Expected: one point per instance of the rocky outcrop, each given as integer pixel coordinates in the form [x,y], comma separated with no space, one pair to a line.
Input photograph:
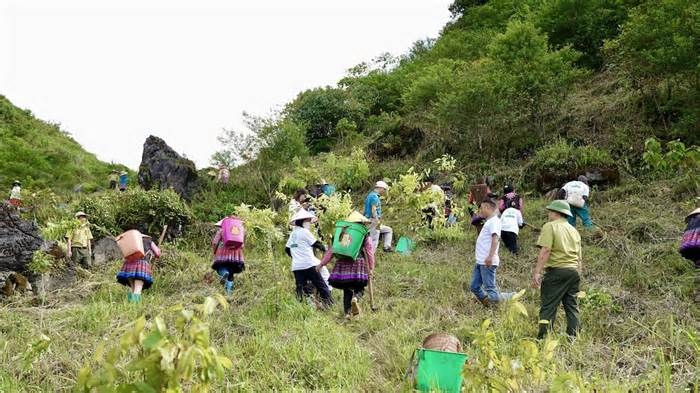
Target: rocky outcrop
[18,240]
[106,250]
[602,177]
[162,168]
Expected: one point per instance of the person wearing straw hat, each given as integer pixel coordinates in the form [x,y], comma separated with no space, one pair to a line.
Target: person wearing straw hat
[228,261]
[352,276]
[300,247]
[16,194]
[561,259]
[137,274]
[79,242]
[113,179]
[373,211]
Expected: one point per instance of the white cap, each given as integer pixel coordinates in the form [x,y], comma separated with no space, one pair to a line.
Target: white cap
[303,214]
[381,184]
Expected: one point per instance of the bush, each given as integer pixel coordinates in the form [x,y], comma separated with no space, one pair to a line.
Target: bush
[345,172]
[556,163]
[153,357]
[149,211]
[261,227]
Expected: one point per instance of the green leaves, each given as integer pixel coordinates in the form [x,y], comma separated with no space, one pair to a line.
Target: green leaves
[112,212]
[154,358]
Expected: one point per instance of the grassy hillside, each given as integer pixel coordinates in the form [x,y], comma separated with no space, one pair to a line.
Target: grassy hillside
[42,156]
[640,318]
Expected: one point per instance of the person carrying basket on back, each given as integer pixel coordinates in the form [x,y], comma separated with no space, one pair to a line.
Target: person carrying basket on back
[354,261]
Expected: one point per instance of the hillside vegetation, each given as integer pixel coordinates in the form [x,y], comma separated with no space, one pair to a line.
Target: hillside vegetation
[531,92]
[43,156]
[640,316]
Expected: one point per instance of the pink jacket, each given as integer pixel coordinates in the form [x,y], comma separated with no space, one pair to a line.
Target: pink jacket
[367,248]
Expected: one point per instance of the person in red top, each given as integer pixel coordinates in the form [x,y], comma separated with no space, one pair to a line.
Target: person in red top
[352,276]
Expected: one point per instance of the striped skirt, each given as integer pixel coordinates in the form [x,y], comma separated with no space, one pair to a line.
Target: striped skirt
[136,270]
[349,274]
[230,259]
[690,245]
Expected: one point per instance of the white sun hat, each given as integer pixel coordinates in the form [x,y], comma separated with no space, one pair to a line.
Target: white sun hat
[303,214]
[381,184]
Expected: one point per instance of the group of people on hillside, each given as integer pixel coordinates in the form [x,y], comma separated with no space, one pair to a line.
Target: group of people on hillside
[118,180]
[558,267]
[556,273]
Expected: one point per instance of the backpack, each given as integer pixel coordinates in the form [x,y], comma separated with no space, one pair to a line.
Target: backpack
[512,198]
[575,199]
[232,232]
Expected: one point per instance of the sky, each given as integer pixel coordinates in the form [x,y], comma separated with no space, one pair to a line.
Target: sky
[112,72]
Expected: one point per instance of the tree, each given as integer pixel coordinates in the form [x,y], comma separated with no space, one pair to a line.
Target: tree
[318,111]
[583,24]
[267,147]
[529,72]
[659,49]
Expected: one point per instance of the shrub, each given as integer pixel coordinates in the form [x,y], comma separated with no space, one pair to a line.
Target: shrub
[112,212]
[332,209]
[41,262]
[561,161]
[155,357]
[261,229]
[346,172]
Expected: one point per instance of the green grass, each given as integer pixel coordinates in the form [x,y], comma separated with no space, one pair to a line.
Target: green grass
[642,302]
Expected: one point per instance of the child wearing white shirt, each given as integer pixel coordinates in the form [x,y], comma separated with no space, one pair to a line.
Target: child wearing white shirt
[511,222]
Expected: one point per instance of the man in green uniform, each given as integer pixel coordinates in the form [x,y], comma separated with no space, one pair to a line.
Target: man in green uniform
[79,242]
[560,258]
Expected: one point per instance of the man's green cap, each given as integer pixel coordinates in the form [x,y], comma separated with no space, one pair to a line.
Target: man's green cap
[560,206]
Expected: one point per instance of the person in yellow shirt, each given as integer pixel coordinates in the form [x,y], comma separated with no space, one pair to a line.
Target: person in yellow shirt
[79,242]
[561,259]
[113,179]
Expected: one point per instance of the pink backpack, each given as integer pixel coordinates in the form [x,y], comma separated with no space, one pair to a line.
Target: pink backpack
[232,232]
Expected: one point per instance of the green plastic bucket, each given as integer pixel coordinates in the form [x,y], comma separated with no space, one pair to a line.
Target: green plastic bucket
[348,239]
[405,245]
[439,371]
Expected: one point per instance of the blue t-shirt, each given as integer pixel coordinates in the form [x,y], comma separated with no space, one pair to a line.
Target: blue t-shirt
[373,200]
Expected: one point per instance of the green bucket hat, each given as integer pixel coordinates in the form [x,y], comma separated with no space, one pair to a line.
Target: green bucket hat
[560,206]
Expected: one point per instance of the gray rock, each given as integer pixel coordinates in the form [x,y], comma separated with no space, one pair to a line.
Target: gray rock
[162,168]
[106,250]
[18,240]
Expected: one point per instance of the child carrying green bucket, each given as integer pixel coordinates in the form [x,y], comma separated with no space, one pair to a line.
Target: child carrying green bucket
[353,251]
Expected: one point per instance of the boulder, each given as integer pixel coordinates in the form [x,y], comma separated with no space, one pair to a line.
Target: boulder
[601,177]
[52,248]
[162,168]
[18,240]
[106,250]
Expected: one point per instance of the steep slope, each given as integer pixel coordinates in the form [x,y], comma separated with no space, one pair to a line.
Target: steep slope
[41,155]
[640,320]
